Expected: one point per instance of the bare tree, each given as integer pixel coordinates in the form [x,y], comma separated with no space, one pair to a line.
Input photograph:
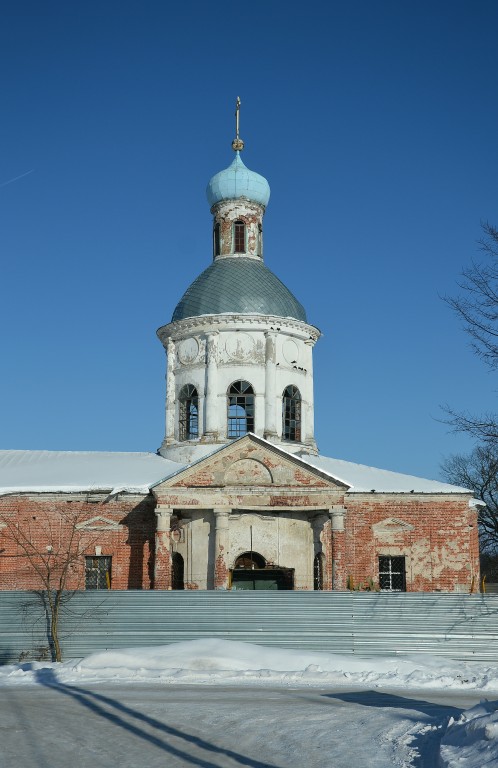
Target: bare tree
[478,471]
[49,553]
[477,308]
[483,427]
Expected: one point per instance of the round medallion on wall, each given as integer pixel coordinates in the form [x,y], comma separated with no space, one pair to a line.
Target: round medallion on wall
[248,472]
[290,351]
[239,346]
[187,350]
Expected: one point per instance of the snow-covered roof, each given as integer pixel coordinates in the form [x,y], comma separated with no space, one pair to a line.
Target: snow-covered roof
[76,471]
[364,479]
[80,471]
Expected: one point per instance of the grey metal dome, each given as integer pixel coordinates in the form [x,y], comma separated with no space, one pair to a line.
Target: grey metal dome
[240,286]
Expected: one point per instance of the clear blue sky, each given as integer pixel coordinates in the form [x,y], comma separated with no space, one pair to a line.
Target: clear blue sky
[376,124]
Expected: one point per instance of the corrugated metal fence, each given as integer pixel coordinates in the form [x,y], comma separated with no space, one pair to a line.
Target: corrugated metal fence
[453,625]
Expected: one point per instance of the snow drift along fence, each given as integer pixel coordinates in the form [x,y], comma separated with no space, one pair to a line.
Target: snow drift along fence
[452,625]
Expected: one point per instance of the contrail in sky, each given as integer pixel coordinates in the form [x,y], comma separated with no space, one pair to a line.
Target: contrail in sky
[4,183]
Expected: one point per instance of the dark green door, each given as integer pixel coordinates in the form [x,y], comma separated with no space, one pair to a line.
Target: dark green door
[262,579]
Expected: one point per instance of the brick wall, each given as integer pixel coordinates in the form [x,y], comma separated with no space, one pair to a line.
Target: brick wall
[73,526]
[436,534]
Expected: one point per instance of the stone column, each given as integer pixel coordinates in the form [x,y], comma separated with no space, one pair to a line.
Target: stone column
[270,385]
[162,562]
[337,514]
[221,567]
[212,426]
[170,394]
[320,548]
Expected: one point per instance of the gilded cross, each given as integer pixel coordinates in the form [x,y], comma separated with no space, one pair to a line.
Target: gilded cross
[237,143]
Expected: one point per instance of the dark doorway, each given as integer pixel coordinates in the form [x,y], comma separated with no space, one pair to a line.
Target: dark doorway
[177,571]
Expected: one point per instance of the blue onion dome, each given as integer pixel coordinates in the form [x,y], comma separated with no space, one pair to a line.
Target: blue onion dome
[241,286]
[238,181]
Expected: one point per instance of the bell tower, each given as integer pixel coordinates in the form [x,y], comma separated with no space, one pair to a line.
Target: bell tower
[239,346]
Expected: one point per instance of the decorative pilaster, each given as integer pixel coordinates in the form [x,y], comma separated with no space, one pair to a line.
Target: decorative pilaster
[162,562]
[211,399]
[270,385]
[337,514]
[221,568]
[309,417]
[170,394]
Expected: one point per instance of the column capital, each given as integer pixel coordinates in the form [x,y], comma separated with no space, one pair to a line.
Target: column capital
[221,516]
[337,514]
[163,515]
[222,510]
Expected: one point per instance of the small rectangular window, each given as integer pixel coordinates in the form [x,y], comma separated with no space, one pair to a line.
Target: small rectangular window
[239,237]
[217,242]
[392,574]
[98,572]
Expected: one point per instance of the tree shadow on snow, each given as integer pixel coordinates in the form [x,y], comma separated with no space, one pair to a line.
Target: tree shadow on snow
[424,741]
[392,701]
[111,710]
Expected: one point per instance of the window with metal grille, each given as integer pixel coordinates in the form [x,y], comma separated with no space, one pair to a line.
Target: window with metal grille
[392,573]
[239,237]
[98,572]
[240,407]
[318,572]
[216,240]
[291,414]
[189,413]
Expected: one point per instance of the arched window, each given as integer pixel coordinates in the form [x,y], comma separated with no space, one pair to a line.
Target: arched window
[239,237]
[240,409]
[216,239]
[250,560]
[291,414]
[189,413]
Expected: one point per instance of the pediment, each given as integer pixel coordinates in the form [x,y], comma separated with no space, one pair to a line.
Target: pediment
[98,523]
[251,462]
[391,525]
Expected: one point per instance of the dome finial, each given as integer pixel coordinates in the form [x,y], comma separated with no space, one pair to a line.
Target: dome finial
[237,143]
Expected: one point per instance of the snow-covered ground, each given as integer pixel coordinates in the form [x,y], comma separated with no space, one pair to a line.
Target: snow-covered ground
[221,703]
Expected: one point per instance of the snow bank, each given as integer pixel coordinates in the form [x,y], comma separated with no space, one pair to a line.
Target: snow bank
[211,661]
[472,740]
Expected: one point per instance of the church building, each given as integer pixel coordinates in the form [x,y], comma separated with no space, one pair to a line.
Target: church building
[238,495]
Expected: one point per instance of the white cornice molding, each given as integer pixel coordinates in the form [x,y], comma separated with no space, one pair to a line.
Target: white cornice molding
[215,323]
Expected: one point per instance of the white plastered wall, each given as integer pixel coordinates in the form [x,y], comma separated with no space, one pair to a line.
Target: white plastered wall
[212,352]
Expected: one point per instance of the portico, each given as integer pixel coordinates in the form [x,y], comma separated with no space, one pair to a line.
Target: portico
[251,497]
